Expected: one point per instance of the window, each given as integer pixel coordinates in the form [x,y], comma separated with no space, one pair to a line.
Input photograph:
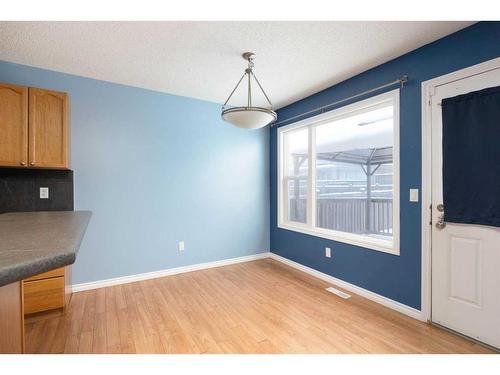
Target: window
[339,174]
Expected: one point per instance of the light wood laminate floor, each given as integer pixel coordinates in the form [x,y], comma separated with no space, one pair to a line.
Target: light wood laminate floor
[256,307]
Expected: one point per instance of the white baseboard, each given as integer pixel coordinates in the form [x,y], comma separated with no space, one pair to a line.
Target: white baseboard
[171,271]
[407,310]
[387,302]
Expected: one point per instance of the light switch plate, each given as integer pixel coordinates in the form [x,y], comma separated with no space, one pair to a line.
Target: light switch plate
[44,193]
[413,195]
[328,252]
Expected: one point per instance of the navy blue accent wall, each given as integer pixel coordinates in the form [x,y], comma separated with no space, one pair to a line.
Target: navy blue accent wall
[395,277]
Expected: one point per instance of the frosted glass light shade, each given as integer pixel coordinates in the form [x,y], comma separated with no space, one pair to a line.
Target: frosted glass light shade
[249,117]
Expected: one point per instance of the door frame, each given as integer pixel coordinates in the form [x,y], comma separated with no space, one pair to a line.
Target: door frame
[428,89]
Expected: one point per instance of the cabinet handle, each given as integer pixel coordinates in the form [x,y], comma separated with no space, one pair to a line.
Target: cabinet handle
[22,163]
[32,163]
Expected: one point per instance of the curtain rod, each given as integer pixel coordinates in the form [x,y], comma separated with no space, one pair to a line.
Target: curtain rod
[401,81]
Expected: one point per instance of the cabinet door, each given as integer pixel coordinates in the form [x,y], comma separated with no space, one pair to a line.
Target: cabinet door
[48,129]
[13,125]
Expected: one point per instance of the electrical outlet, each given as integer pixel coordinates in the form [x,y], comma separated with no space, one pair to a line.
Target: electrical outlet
[44,193]
[180,246]
[328,252]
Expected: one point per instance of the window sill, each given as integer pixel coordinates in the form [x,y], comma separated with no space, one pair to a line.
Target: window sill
[376,244]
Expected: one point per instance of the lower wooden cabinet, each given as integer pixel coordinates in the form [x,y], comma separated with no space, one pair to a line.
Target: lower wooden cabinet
[11,319]
[58,272]
[47,291]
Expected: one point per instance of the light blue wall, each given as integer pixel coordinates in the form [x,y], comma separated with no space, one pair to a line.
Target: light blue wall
[155,169]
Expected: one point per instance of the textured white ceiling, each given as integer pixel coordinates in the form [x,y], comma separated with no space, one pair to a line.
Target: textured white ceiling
[202,59]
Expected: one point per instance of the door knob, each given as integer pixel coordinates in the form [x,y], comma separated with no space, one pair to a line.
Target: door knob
[440,224]
[440,207]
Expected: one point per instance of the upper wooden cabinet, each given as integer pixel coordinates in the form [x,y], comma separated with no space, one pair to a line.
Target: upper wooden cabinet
[48,128]
[13,125]
[34,129]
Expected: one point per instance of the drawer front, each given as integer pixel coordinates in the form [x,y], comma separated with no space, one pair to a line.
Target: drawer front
[42,295]
[53,273]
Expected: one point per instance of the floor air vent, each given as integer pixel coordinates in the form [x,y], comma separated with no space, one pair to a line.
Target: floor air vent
[338,293]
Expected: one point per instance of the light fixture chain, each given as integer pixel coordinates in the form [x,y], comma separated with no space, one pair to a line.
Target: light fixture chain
[232,92]
[249,90]
[267,98]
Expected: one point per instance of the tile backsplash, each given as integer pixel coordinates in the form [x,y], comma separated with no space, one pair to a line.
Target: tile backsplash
[20,190]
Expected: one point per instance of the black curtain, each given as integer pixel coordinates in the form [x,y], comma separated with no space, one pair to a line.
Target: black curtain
[471,157]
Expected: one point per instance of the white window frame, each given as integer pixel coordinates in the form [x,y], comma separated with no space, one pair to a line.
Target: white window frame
[387,246]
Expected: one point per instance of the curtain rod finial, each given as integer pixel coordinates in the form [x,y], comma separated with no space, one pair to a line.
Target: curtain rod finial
[403,80]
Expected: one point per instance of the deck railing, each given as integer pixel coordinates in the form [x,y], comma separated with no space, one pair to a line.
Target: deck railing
[348,215]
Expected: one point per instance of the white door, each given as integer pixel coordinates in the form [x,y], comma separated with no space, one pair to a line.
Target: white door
[465,257]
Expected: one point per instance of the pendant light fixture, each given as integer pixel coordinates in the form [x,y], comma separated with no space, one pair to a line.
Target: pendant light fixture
[249,117]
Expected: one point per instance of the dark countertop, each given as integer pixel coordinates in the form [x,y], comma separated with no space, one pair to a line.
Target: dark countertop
[37,242]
